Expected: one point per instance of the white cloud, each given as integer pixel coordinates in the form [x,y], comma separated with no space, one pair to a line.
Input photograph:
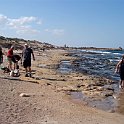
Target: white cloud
[21,25]
[57,32]
[3,20]
[25,26]
[27,30]
[20,21]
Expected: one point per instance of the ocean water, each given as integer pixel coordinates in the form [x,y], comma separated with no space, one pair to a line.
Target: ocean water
[97,63]
[100,63]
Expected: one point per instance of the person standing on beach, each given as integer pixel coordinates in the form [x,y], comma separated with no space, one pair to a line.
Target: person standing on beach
[120,69]
[26,57]
[1,55]
[9,57]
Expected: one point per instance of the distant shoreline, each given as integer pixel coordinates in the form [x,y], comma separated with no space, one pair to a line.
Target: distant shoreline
[94,48]
[18,43]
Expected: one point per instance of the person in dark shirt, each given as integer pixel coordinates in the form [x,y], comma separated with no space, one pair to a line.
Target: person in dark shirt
[26,57]
[1,55]
[120,69]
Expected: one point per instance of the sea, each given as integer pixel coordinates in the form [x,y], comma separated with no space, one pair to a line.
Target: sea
[98,63]
[94,62]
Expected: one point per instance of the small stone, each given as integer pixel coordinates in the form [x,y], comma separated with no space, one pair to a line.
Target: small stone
[24,95]
[48,84]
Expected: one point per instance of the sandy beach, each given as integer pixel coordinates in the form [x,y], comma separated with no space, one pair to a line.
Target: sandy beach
[45,98]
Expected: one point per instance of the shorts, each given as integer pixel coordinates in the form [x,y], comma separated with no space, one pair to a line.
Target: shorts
[27,63]
[122,76]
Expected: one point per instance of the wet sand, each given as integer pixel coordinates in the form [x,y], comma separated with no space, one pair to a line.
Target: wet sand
[49,100]
[120,107]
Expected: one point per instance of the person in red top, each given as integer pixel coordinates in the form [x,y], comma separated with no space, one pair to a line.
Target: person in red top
[9,57]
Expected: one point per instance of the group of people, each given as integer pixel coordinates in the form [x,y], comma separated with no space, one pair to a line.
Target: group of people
[26,57]
[15,58]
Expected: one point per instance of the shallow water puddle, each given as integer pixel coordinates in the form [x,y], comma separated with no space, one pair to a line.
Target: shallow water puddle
[65,67]
[106,104]
[114,103]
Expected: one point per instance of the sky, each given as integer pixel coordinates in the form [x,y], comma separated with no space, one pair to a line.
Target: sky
[76,23]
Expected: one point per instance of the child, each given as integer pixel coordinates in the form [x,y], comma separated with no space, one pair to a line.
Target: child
[15,59]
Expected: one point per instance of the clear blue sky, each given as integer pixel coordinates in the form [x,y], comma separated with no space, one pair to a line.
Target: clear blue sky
[96,23]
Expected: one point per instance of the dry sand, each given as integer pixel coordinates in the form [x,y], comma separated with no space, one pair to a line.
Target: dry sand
[43,100]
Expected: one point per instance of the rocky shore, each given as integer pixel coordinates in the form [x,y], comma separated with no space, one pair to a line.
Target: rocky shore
[49,96]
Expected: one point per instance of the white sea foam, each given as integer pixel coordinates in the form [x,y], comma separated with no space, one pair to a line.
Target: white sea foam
[97,51]
[117,53]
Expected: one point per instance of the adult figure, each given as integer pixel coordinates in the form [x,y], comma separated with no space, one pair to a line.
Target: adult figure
[9,57]
[1,55]
[26,57]
[120,70]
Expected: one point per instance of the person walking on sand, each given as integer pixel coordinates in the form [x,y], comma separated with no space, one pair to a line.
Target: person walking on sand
[120,69]
[26,57]
[9,57]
